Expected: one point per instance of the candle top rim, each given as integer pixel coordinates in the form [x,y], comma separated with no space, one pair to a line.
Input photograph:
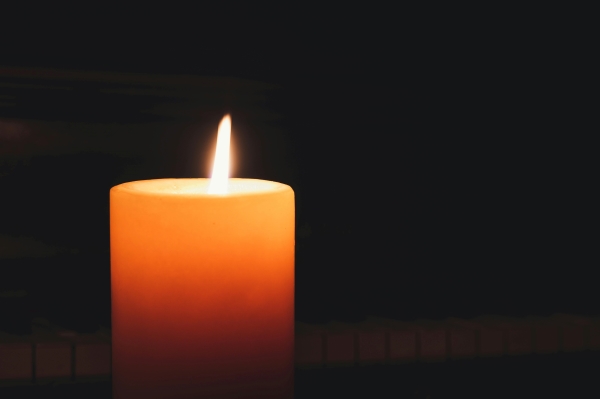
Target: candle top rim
[198,187]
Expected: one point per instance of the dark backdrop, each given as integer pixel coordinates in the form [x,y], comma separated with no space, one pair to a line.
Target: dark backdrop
[435,167]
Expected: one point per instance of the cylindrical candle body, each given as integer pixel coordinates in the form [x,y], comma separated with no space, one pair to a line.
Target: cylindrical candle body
[202,289]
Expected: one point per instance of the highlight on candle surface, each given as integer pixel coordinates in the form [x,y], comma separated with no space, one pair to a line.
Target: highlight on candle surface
[220,173]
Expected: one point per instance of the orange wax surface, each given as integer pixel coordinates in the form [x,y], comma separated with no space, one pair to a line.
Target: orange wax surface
[202,289]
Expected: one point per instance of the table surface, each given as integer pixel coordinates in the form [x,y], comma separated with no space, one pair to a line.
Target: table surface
[558,375]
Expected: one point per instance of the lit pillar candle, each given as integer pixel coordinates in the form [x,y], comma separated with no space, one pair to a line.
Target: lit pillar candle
[202,288]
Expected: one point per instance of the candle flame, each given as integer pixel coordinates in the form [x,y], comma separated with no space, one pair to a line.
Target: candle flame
[220,174]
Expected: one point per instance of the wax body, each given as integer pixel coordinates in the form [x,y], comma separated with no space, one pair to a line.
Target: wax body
[202,290]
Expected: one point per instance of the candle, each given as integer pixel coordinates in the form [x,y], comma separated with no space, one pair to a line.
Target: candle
[202,278]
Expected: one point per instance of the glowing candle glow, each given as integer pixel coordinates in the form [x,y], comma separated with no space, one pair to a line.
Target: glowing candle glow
[202,278]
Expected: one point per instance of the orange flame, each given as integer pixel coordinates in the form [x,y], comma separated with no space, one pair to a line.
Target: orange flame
[220,174]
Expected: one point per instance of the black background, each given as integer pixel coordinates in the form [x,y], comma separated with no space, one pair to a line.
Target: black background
[435,157]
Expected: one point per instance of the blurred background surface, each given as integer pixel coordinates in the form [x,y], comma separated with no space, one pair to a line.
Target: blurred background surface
[435,167]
